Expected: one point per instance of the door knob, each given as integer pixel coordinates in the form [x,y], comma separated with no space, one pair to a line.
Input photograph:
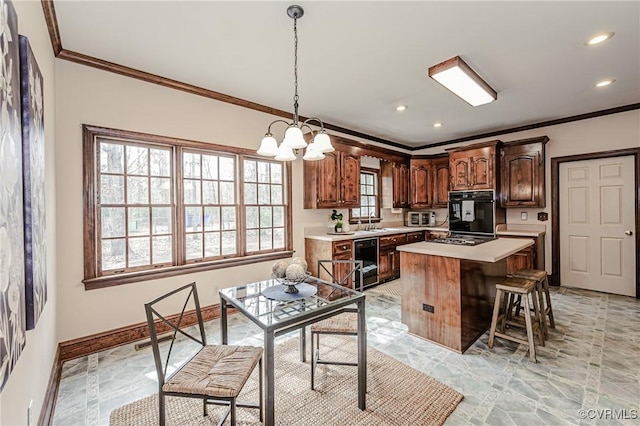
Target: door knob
[628,232]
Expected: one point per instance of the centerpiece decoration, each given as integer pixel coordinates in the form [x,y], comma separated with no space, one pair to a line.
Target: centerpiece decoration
[291,274]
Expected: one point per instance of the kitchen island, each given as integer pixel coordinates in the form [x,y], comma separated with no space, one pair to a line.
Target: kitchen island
[448,290]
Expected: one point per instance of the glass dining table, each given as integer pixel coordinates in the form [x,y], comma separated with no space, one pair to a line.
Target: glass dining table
[276,317]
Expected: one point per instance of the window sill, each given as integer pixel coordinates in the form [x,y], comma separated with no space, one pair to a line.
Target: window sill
[133,277]
[365,221]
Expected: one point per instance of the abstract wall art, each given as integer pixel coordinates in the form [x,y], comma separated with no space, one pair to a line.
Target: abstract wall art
[35,250]
[12,284]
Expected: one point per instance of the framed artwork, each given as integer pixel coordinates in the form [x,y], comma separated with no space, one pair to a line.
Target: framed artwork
[35,250]
[12,307]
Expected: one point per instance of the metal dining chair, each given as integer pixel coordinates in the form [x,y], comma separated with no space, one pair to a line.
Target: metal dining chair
[215,373]
[347,273]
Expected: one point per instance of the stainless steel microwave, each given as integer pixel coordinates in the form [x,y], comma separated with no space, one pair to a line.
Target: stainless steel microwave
[421,218]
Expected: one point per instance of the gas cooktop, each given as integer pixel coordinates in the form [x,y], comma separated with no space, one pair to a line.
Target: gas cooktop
[463,240]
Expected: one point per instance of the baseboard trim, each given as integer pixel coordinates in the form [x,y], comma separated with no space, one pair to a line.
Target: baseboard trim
[88,345]
[51,395]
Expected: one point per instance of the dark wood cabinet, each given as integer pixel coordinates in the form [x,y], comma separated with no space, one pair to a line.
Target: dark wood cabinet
[524,259]
[343,250]
[440,182]
[333,182]
[415,237]
[400,185]
[316,250]
[522,165]
[389,257]
[474,167]
[421,183]
[536,254]
[429,182]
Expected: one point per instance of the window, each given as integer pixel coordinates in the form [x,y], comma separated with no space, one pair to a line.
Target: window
[157,206]
[369,197]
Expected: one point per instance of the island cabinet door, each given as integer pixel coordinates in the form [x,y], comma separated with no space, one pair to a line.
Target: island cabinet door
[524,259]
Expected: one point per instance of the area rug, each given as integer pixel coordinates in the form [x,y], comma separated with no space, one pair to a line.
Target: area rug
[392,288]
[396,394]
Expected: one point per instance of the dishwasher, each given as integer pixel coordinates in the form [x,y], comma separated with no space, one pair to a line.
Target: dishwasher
[366,250]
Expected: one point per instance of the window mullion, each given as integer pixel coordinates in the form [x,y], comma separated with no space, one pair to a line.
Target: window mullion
[180,225]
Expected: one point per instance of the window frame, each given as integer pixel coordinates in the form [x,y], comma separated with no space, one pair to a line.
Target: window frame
[378,179]
[91,222]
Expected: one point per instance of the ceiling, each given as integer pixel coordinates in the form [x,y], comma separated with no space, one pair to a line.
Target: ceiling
[359,60]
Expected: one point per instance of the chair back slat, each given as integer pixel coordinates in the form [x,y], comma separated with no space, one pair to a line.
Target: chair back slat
[160,323]
[343,272]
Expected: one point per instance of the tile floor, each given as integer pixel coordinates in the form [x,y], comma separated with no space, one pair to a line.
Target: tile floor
[591,362]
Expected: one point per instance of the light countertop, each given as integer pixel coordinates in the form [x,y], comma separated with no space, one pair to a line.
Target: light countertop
[518,230]
[491,251]
[321,234]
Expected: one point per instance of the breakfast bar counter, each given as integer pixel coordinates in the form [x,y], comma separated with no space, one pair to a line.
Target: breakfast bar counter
[448,290]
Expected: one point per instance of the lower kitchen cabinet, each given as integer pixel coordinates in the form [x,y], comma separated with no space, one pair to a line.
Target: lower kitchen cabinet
[316,250]
[389,259]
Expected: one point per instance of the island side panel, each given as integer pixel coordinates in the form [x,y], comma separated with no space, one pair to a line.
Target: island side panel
[478,292]
[434,281]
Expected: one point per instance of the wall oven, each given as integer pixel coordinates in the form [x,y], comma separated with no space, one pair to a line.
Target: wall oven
[474,213]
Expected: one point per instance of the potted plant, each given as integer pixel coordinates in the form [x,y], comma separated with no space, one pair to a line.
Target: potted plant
[337,218]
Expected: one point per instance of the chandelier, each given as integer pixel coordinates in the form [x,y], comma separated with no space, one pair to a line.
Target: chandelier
[293,136]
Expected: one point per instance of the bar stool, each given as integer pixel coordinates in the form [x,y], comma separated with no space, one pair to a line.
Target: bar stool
[523,288]
[542,283]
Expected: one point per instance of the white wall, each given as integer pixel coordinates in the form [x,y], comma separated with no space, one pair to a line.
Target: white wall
[29,379]
[606,133]
[90,96]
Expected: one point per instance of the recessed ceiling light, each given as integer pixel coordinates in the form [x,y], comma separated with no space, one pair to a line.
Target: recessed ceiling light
[599,38]
[437,124]
[605,83]
[401,107]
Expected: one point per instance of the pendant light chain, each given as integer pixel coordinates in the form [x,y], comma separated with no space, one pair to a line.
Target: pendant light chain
[295,69]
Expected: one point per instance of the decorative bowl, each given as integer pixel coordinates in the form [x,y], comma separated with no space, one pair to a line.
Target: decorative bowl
[291,284]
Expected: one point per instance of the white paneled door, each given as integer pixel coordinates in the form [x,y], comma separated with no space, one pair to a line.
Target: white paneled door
[597,217]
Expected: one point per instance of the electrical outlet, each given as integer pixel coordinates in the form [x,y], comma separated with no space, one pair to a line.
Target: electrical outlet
[427,308]
[524,215]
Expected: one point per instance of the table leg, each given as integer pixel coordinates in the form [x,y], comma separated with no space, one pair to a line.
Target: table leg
[269,382]
[224,338]
[362,356]
[303,344]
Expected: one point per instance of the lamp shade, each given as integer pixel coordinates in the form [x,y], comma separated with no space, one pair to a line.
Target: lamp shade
[293,138]
[323,142]
[268,146]
[312,153]
[285,153]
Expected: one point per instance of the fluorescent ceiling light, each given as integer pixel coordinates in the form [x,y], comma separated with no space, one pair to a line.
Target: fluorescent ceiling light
[401,107]
[437,125]
[457,76]
[599,38]
[605,83]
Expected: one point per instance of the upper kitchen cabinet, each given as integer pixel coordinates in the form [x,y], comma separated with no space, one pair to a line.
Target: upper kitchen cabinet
[395,184]
[429,182]
[421,183]
[440,181]
[523,168]
[333,182]
[474,166]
